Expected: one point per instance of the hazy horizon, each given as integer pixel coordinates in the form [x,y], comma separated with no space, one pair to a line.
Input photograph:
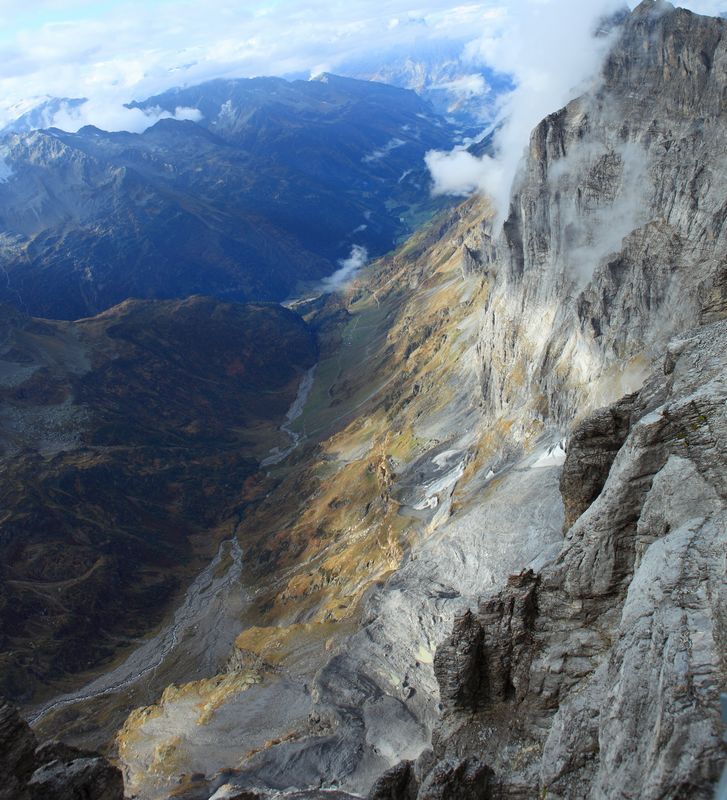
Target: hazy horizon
[113,52]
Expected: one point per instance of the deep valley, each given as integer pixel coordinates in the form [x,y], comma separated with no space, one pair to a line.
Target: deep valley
[450,528]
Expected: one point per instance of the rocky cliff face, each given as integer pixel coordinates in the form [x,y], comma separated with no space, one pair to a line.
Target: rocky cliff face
[52,770]
[599,675]
[419,625]
[615,238]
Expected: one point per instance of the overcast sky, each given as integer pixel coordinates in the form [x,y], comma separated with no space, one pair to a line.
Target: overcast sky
[118,50]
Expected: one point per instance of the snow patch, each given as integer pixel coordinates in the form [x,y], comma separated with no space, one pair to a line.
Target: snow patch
[227,112]
[428,502]
[6,171]
[446,481]
[444,485]
[444,458]
[553,457]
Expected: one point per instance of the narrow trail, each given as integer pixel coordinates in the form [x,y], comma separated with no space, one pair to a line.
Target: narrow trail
[205,608]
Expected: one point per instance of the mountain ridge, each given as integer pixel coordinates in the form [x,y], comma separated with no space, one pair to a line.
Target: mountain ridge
[153,406]
[445,486]
[491,565]
[250,211]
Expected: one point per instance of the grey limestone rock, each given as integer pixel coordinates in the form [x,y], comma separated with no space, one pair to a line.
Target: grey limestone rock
[51,771]
[456,664]
[600,676]
[398,783]
[615,238]
[618,646]
[17,754]
[507,621]
[592,448]
[80,779]
[467,779]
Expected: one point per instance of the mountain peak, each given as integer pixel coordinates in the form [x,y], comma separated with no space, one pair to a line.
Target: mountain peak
[647,7]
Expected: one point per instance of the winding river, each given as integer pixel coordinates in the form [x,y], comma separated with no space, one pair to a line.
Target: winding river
[202,632]
[276,454]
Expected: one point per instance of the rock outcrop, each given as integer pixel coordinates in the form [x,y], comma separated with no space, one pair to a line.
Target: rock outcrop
[17,754]
[592,448]
[398,783]
[603,672]
[50,771]
[456,664]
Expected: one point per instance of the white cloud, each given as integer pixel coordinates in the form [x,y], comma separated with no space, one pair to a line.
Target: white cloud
[466,87]
[459,173]
[548,48]
[115,52]
[348,269]
[132,49]
[384,151]
[114,116]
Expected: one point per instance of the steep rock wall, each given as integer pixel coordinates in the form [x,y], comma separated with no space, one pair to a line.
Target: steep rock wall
[616,235]
[600,676]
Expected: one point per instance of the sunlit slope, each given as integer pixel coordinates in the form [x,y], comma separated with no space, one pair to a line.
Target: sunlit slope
[395,464]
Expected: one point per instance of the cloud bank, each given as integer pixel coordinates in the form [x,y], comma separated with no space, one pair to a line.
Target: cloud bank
[116,52]
[550,50]
[110,116]
[113,53]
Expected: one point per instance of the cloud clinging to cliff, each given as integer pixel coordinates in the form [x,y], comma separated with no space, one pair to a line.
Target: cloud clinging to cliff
[550,49]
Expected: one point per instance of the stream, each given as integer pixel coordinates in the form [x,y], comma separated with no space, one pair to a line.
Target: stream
[201,633]
[276,454]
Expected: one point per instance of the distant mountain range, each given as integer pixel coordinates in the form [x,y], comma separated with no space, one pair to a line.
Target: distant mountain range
[271,188]
[41,114]
[466,94]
